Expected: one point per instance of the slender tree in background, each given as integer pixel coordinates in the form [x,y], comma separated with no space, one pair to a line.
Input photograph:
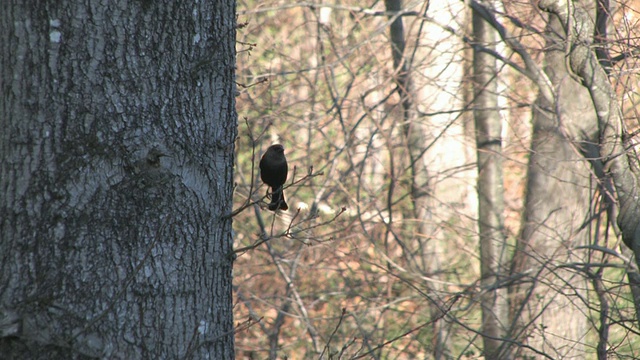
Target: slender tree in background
[492,236]
[410,158]
[117,147]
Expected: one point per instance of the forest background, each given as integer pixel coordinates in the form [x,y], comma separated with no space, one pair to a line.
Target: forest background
[453,191]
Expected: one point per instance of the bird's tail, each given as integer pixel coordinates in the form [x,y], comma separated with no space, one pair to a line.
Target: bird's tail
[277,200]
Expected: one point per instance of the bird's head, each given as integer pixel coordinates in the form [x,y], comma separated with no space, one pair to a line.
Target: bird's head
[277,148]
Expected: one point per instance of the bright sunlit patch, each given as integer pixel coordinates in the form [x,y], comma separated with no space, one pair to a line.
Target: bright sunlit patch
[202,328]
[55,36]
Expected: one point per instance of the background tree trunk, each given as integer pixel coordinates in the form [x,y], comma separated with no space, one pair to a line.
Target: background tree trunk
[557,206]
[617,145]
[118,125]
[493,245]
[412,161]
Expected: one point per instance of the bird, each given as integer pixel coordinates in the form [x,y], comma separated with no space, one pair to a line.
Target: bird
[273,172]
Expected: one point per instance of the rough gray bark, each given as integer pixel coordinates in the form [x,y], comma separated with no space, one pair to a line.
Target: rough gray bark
[557,204]
[118,122]
[493,255]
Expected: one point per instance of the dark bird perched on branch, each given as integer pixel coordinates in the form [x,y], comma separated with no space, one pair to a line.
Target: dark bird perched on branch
[273,171]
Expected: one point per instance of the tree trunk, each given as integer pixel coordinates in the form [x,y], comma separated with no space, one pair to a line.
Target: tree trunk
[557,204]
[493,256]
[620,158]
[118,126]
[413,154]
